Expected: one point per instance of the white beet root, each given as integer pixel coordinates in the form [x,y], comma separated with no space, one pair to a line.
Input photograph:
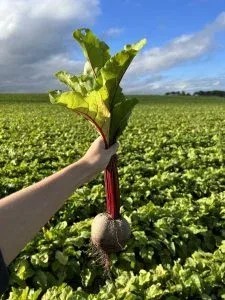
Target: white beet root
[108,234]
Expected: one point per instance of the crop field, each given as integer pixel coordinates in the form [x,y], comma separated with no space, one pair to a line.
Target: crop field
[172,180]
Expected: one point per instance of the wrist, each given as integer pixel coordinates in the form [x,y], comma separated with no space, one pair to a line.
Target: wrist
[90,166]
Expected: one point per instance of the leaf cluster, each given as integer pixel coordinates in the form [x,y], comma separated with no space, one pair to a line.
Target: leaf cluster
[96,94]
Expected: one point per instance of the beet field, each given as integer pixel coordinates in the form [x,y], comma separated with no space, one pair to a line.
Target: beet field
[172,180]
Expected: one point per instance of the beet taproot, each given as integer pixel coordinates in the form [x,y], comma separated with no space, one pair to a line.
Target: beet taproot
[108,234]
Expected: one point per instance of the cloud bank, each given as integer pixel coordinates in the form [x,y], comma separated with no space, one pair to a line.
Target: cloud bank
[181,49]
[36,41]
[162,85]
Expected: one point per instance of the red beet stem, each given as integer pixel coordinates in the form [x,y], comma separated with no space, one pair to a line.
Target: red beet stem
[112,188]
[110,176]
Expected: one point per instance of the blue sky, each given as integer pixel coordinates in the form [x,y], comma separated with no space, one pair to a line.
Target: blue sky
[159,21]
[185,49]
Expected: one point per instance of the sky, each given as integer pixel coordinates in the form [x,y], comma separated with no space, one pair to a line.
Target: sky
[185,47]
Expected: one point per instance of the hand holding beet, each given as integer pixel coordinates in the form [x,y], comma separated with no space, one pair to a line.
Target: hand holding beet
[98,156]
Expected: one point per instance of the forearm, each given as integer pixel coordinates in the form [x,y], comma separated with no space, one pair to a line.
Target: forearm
[23,213]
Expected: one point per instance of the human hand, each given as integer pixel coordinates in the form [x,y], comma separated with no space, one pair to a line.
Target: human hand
[98,156]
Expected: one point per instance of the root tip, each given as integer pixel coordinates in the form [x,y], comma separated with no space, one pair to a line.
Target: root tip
[100,256]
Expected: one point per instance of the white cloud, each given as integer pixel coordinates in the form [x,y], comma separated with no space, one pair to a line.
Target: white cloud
[179,50]
[113,32]
[82,10]
[38,76]
[162,85]
[33,34]
[153,62]
[217,83]
[20,14]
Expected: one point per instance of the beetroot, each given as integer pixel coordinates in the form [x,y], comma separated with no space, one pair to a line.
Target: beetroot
[108,234]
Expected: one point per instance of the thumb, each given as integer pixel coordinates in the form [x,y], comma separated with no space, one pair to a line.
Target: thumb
[112,150]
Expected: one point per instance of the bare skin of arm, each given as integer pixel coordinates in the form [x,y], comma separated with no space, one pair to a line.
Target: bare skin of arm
[24,213]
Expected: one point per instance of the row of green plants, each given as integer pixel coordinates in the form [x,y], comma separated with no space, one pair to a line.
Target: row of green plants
[171,168]
[177,251]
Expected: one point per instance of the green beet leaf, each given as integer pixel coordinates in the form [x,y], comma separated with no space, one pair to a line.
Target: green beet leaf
[96,94]
[80,84]
[119,117]
[114,69]
[93,107]
[96,51]
[24,294]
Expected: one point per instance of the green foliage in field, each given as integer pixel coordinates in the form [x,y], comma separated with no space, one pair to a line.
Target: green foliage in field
[171,167]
